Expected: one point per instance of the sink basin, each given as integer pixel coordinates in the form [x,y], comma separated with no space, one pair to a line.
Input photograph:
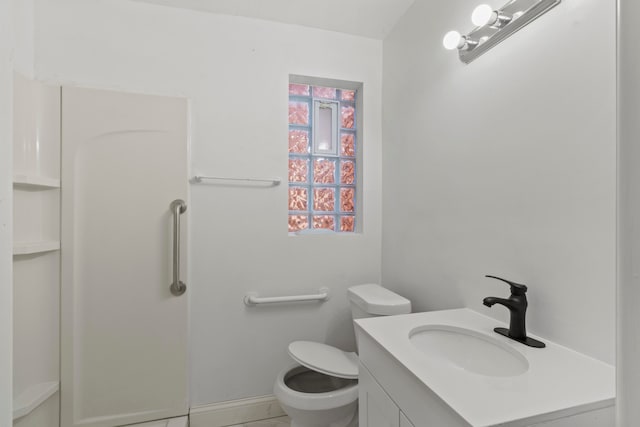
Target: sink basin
[468,350]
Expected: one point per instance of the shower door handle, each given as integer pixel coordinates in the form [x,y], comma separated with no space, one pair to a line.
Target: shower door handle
[178,207]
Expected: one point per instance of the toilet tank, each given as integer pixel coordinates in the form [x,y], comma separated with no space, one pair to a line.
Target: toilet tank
[372,300]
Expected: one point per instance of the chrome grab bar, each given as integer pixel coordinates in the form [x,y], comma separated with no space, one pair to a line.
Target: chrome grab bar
[252,298]
[178,287]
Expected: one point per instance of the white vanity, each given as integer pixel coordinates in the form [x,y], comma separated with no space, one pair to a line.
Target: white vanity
[449,369]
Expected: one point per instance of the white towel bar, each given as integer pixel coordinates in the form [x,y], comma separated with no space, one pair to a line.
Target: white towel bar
[252,298]
[273,181]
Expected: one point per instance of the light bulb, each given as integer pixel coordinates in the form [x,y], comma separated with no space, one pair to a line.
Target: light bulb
[452,40]
[483,15]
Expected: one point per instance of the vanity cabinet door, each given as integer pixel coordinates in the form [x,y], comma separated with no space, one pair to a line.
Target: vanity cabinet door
[376,407]
[404,421]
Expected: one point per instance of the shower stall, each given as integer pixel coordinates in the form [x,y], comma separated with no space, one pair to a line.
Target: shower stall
[101,200]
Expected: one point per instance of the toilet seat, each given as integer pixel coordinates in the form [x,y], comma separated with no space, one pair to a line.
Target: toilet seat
[325,359]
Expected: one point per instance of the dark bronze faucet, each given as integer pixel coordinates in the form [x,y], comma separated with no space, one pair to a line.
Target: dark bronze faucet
[517,305]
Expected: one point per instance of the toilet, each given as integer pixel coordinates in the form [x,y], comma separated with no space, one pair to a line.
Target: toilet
[321,388]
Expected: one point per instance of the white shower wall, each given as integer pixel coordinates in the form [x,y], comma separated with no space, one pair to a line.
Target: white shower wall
[6,208]
[235,73]
[505,166]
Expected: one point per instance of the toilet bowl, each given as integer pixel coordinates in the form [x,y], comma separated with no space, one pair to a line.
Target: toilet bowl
[321,389]
[313,399]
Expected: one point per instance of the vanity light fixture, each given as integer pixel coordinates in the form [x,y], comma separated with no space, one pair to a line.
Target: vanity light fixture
[485,15]
[493,26]
[454,40]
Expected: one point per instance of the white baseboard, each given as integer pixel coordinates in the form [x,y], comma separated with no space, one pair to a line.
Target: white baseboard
[235,412]
[168,422]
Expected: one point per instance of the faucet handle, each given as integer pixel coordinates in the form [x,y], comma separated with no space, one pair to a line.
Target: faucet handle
[516,288]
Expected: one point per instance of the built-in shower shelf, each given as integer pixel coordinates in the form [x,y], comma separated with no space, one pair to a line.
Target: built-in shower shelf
[35,182]
[33,397]
[28,248]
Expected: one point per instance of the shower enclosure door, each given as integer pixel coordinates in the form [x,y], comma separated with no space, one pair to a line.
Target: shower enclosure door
[124,333]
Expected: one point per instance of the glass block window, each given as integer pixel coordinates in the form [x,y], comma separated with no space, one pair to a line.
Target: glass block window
[323,141]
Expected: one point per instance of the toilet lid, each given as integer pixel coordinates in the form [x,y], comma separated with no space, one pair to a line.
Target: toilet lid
[325,359]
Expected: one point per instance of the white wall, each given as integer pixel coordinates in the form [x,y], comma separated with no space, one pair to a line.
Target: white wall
[6,210]
[23,36]
[235,72]
[506,166]
[629,214]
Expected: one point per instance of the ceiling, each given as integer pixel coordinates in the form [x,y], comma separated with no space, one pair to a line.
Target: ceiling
[368,18]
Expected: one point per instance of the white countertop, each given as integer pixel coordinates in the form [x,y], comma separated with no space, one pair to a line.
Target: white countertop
[558,379]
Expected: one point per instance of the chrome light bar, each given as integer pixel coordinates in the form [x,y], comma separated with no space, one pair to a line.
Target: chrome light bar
[499,25]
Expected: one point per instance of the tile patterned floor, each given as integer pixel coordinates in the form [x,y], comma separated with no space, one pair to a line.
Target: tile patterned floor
[273,422]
